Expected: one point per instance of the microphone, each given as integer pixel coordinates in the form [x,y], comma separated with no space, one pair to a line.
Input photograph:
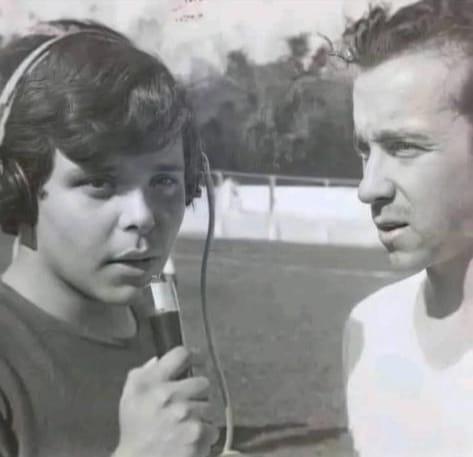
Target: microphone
[165,320]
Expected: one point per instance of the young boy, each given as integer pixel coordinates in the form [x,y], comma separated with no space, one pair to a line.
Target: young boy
[104,140]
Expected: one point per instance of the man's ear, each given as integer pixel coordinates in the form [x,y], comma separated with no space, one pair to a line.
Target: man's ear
[27,236]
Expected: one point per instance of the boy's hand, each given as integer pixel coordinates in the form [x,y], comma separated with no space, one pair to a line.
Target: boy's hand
[162,417]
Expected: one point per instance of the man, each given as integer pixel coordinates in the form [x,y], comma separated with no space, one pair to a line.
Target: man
[409,347]
[102,148]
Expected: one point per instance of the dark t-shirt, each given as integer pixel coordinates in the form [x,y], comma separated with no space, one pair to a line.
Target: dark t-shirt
[60,388]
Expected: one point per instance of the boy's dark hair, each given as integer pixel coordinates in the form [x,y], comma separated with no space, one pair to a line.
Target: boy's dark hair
[380,35]
[94,94]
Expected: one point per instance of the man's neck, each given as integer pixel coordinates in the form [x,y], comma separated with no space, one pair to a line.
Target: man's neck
[30,279]
[444,317]
[449,286]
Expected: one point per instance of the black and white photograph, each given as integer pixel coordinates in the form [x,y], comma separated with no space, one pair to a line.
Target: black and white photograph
[236,228]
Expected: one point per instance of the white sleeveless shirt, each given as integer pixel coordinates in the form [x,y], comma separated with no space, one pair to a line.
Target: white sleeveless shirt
[399,403]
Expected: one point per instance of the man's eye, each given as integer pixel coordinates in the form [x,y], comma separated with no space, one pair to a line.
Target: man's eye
[363,154]
[404,149]
[362,149]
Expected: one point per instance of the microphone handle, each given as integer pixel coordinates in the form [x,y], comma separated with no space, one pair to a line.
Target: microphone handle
[167,334]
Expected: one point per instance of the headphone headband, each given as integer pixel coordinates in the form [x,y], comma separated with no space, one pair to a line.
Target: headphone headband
[28,64]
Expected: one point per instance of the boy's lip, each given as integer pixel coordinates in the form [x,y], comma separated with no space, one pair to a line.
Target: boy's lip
[135,257]
[134,265]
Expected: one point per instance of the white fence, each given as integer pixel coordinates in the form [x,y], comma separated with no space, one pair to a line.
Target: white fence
[282,208]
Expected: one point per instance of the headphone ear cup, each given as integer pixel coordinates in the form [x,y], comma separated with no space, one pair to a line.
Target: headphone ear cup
[16,199]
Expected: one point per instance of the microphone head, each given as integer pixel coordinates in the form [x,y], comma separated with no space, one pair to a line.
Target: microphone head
[164,294]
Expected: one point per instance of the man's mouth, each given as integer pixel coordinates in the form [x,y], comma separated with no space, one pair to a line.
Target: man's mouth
[389,231]
[390,226]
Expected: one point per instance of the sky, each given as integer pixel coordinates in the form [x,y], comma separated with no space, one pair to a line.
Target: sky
[199,29]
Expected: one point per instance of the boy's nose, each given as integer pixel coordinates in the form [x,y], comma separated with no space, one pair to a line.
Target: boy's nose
[137,212]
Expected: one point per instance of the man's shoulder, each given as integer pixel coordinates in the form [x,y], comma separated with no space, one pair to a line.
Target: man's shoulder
[381,323]
[391,299]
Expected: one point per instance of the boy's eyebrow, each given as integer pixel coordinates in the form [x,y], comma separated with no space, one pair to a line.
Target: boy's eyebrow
[90,168]
[113,167]
[168,167]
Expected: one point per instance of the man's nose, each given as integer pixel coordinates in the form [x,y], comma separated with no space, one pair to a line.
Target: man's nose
[137,212]
[376,184]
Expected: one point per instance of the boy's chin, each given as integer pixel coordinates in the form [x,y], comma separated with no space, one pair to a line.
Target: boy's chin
[123,295]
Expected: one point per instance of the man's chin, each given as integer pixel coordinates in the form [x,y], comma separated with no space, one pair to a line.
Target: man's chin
[408,261]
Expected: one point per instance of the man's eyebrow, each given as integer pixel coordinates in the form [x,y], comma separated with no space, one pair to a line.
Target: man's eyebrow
[385,136]
[362,144]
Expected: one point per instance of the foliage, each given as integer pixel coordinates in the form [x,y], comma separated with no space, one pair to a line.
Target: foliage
[292,116]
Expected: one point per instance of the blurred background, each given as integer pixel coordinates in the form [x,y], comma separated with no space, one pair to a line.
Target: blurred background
[294,248]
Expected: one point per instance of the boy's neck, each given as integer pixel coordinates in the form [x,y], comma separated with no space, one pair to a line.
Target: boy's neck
[48,292]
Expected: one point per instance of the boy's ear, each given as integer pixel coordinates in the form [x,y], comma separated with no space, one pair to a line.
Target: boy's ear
[27,236]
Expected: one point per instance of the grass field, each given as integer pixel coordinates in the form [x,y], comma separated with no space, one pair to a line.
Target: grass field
[278,312]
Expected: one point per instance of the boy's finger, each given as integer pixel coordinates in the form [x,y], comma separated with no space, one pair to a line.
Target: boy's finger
[199,359]
[169,367]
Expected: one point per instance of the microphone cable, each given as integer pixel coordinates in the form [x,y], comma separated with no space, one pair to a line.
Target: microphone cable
[221,380]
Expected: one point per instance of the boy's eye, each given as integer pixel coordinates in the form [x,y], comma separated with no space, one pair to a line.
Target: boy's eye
[100,186]
[99,183]
[163,180]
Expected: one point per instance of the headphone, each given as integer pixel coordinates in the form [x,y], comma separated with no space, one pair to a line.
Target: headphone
[18,202]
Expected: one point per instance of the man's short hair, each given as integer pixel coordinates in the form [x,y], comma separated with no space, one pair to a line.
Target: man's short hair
[427,24]
[380,35]
[93,96]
